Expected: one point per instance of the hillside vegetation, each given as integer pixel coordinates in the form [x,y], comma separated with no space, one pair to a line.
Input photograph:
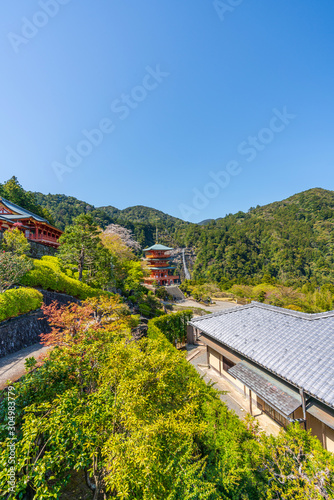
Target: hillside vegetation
[130,418]
[142,221]
[290,241]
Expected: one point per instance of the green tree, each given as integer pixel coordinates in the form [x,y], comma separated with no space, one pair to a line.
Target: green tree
[296,466]
[15,242]
[81,248]
[12,269]
[121,413]
[134,276]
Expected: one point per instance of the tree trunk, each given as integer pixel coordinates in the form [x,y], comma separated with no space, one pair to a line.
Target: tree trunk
[81,263]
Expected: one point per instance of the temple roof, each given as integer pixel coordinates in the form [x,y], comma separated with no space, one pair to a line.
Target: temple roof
[162,268]
[19,212]
[157,246]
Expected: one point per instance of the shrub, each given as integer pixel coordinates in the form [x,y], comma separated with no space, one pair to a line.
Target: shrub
[173,326]
[12,268]
[19,301]
[15,242]
[145,310]
[47,274]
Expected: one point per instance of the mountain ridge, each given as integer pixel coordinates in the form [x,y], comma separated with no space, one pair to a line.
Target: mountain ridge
[290,241]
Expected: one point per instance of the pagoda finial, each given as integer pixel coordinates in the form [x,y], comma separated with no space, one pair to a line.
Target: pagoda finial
[156,233]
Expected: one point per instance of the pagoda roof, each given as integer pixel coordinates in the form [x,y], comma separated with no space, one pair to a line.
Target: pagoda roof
[19,212]
[162,268]
[157,246]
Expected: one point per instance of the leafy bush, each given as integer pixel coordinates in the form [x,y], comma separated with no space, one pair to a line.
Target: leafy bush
[12,269]
[145,310]
[15,242]
[19,301]
[47,274]
[105,395]
[202,292]
[173,326]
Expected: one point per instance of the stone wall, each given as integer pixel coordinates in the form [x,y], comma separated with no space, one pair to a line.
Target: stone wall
[25,330]
[37,250]
[62,298]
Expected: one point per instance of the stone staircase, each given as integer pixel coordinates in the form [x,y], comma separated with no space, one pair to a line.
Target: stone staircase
[175,292]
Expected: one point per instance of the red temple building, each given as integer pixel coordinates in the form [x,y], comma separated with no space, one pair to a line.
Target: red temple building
[34,227]
[159,264]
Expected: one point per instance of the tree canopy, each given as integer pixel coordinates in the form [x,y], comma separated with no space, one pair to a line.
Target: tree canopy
[133,419]
[81,249]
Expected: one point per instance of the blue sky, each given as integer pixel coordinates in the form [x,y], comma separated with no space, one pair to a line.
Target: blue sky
[202,108]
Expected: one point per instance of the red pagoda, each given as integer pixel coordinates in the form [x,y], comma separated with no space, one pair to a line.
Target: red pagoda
[159,264]
[34,227]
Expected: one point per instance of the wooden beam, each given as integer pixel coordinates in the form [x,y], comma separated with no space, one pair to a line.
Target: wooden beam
[323,435]
[302,395]
[250,402]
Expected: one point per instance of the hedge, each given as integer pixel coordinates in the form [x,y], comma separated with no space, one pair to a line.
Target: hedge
[19,301]
[48,275]
[173,326]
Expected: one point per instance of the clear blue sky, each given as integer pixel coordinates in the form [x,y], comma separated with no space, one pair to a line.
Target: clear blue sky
[222,72]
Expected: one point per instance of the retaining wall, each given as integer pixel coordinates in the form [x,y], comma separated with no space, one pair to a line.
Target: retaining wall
[25,330]
[37,250]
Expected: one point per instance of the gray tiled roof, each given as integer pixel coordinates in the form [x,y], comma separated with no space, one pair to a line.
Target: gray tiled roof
[267,389]
[296,346]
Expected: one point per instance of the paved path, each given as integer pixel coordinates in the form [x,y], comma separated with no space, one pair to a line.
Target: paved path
[201,359]
[234,400]
[215,307]
[12,366]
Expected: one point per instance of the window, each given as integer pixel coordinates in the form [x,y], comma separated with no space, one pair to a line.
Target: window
[227,364]
[275,415]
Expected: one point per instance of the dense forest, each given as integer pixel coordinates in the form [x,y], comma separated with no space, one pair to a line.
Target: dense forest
[142,221]
[290,241]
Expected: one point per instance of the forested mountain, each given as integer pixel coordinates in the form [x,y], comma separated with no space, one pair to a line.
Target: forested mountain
[142,221]
[290,240]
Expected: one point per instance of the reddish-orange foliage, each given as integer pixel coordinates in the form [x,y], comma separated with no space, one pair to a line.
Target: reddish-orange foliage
[69,323]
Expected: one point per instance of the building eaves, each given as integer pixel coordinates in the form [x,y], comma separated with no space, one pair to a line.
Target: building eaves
[20,210]
[297,347]
[267,388]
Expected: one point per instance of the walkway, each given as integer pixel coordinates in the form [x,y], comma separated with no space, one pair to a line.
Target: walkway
[234,399]
[214,307]
[12,366]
